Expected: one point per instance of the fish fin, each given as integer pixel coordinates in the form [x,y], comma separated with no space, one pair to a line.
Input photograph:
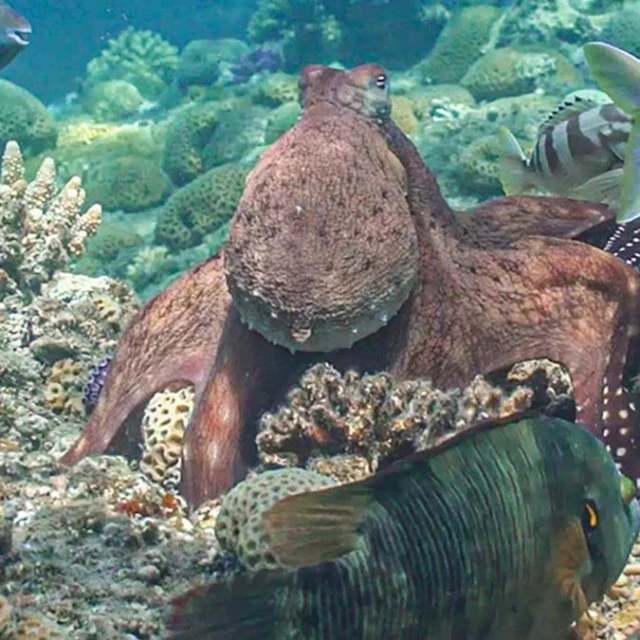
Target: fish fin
[574,105]
[618,74]
[603,188]
[572,556]
[512,167]
[317,526]
[238,609]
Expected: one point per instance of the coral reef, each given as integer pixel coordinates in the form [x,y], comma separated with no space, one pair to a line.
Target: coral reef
[239,527]
[40,228]
[201,61]
[112,100]
[200,207]
[450,59]
[25,119]
[142,58]
[187,136]
[259,60]
[351,425]
[128,183]
[163,423]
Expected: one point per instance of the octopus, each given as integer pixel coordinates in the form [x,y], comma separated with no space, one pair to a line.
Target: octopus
[343,250]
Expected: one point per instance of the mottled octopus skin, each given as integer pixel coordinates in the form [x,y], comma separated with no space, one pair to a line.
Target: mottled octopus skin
[487,296]
[318,256]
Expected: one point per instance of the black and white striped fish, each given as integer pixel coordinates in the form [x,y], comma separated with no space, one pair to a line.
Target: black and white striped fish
[579,153]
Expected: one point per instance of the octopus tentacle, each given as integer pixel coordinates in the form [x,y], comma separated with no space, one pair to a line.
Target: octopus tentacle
[172,338]
[500,222]
[245,377]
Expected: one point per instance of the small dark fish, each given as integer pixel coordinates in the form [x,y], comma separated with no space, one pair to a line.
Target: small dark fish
[507,530]
[15,32]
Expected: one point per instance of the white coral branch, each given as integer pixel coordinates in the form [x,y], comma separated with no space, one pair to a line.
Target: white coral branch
[41,227]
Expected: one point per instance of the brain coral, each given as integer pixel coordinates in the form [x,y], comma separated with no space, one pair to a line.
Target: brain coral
[460,44]
[239,524]
[142,58]
[200,207]
[112,100]
[238,132]
[187,136]
[276,89]
[127,183]
[25,119]
[280,120]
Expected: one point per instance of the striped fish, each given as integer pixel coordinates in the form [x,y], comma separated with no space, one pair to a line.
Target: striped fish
[579,153]
[617,73]
[506,530]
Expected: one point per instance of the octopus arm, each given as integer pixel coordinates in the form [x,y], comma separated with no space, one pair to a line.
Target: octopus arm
[172,338]
[500,222]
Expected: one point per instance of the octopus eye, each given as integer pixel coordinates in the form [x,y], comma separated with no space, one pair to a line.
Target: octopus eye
[381,81]
[590,517]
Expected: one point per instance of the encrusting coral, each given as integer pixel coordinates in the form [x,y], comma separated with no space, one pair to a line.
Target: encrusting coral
[41,228]
[351,425]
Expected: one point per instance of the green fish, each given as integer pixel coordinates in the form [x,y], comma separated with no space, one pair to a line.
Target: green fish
[506,531]
[617,73]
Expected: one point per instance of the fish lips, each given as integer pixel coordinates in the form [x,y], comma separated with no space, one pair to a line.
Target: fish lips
[17,37]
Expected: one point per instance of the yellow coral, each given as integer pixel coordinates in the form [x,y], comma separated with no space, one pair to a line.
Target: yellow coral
[403,114]
[164,421]
[239,524]
[63,390]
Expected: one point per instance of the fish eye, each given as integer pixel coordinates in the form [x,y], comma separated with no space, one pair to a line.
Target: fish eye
[381,81]
[590,517]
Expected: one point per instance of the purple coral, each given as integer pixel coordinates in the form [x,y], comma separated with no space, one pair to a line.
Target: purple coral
[95,382]
[256,61]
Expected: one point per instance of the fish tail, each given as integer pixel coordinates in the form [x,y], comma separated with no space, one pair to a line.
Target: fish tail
[617,73]
[243,608]
[512,169]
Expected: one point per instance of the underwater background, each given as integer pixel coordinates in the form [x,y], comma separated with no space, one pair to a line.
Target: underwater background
[153,115]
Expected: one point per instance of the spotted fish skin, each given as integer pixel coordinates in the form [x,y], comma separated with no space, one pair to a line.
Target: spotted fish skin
[458,543]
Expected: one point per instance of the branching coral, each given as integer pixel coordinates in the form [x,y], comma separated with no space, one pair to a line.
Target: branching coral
[142,58]
[350,425]
[41,227]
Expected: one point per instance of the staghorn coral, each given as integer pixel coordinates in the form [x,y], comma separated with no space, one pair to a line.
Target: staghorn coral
[41,227]
[350,425]
[142,58]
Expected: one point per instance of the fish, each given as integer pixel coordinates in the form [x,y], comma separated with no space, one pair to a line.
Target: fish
[505,530]
[15,34]
[617,73]
[579,153]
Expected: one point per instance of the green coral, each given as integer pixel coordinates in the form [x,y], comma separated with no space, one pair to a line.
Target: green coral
[200,207]
[25,119]
[187,137]
[143,58]
[477,168]
[460,44]
[512,71]
[110,251]
[237,133]
[200,60]
[127,183]
[281,120]
[112,100]
[276,89]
